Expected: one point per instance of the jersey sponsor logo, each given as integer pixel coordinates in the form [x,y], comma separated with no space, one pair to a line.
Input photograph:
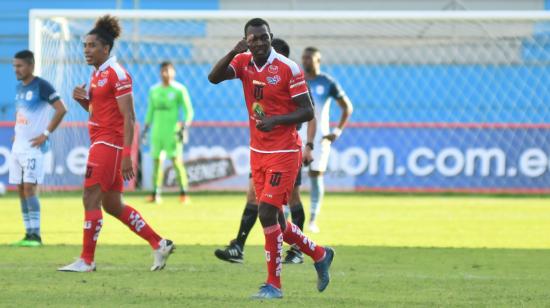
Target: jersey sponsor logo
[102,82]
[273,80]
[28,95]
[273,69]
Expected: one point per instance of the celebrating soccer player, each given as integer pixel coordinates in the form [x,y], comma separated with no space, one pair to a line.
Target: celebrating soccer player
[165,101]
[234,252]
[33,126]
[323,88]
[277,100]
[110,104]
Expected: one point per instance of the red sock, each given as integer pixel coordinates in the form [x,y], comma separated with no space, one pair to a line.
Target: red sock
[293,235]
[93,220]
[274,254]
[133,219]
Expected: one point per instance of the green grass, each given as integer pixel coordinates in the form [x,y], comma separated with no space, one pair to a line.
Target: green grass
[391,251]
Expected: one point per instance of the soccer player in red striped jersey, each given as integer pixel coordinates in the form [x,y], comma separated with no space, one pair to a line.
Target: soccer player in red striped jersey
[277,99]
[110,104]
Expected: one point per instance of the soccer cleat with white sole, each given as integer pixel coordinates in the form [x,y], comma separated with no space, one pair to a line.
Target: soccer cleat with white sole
[232,253]
[161,254]
[293,256]
[78,266]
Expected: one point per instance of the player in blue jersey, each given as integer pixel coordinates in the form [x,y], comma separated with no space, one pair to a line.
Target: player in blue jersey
[323,89]
[34,99]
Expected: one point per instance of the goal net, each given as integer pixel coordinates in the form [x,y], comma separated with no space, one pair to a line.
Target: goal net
[443,101]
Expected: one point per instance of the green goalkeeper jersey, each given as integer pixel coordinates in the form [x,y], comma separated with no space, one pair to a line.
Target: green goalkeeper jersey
[163,109]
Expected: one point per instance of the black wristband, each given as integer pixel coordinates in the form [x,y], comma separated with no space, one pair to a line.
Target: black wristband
[310,145]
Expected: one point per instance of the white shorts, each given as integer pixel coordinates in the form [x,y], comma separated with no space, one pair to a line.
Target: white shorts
[26,167]
[321,152]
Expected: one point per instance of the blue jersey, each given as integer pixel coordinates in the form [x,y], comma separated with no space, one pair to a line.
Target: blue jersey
[32,103]
[323,89]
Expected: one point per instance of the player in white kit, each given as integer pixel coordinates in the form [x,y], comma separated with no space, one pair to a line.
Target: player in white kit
[33,125]
[323,89]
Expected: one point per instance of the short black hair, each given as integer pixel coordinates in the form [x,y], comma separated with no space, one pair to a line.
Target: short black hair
[166,63]
[281,46]
[25,55]
[312,49]
[256,22]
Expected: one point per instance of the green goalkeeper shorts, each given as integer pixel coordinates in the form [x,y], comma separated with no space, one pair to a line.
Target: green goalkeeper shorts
[171,146]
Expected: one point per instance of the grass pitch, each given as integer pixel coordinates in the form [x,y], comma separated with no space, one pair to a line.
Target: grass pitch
[391,251]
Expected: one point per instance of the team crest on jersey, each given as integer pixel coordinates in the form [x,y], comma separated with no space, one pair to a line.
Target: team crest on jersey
[319,90]
[102,82]
[104,74]
[273,69]
[28,95]
[273,80]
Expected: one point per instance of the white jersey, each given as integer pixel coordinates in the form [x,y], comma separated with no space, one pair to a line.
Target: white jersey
[33,113]
[323,90]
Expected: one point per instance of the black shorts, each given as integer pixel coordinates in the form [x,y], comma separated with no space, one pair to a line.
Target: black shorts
[298,181]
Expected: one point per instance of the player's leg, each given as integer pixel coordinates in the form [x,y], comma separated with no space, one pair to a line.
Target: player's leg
[269,218]
[234,252]
[25,214]
[16,178]
[113,205]
[33,207]
[291,233]
[32,164]
[296,207]
[317,169]
[249,217]
[102,161]
[268,215]
[156,149]
[294,255]
[317,194]
[176,156]
[93,222]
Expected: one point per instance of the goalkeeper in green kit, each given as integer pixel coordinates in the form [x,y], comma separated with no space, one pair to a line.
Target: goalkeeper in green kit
[165,101]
